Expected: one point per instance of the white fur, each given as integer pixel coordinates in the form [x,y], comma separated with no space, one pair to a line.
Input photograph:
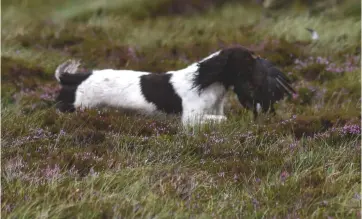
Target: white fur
[121,88]
[198,107]
[116,88]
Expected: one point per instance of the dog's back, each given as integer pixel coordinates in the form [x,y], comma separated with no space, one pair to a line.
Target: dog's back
[117,88]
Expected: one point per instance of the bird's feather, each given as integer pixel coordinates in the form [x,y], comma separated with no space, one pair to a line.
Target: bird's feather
[271,85]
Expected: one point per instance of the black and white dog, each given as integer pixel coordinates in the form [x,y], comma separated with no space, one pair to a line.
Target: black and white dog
[197,92]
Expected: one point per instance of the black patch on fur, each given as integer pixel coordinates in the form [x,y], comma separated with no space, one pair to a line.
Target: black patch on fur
[245,95]
[157,89]
[73,79]
[70,83]
[255,80]
[229,67]
[66,98]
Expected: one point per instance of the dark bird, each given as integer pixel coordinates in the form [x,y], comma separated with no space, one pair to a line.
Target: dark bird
[267,86]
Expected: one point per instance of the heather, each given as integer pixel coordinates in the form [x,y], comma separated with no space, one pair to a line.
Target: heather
[302,163]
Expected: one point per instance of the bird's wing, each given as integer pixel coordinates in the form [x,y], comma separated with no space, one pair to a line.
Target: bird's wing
[271,85]
[272,80]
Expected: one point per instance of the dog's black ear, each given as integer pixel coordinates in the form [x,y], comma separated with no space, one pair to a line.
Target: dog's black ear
[211,70]
[228,66]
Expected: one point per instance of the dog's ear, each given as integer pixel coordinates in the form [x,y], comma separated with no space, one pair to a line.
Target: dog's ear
[212,70]
[241,63]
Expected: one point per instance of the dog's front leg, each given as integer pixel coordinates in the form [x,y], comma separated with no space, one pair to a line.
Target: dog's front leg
[220,107]
[200,119]
[213,118]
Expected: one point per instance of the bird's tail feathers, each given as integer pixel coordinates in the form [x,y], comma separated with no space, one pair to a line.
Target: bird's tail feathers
[282,82]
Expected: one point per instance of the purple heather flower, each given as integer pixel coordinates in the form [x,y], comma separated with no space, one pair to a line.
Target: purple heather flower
[92,172]
[46,96]
[132,53]
[62,132]
[351,64]
[357,196]
[236,177]
[293,145]
[284,175]
[311,88]
[255,203]
[9,207]
[342,131]
[321,60]
[40,133]
[52,173]
[351,129]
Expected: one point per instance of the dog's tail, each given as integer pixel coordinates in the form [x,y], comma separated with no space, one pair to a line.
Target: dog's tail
[68,73]
[70,77]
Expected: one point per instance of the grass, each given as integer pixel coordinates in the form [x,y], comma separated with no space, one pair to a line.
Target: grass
[302,163]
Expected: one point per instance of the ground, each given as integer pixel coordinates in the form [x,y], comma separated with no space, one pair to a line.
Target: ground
[302,163]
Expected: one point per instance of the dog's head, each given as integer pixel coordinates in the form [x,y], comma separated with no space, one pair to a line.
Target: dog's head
[254,79]
[232,67]
[229,67]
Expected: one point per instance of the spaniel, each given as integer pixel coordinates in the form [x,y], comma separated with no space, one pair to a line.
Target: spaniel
[197,92]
